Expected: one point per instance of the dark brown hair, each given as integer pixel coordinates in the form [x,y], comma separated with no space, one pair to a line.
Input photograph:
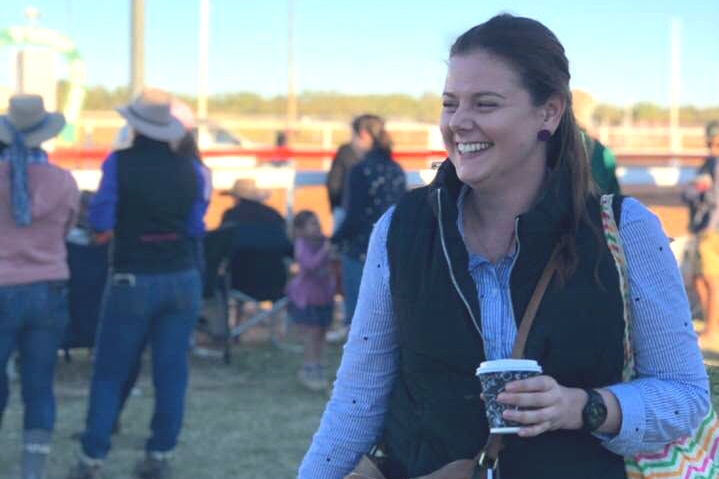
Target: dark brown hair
[188,148]
[538,57]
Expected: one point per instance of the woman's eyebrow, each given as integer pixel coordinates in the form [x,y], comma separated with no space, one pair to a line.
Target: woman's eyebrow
[477,95]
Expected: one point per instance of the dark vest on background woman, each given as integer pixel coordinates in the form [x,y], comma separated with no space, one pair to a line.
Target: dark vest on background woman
[435,412]
[155,191]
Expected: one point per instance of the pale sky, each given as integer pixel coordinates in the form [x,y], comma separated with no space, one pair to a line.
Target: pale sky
[619,50]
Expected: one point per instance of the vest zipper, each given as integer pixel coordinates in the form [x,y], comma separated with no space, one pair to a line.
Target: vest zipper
[451,269]
[511,268]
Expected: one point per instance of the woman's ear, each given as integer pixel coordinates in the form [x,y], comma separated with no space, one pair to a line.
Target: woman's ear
[553,110]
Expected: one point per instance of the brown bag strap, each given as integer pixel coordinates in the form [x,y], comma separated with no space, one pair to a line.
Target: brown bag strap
[487,457]
[531,312]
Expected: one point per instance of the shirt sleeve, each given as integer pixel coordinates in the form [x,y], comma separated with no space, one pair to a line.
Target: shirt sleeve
[101,212]
[354,416]
[670,396]
[195,227]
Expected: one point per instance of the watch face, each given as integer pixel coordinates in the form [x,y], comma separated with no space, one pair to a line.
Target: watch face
[596,415]
[595,412]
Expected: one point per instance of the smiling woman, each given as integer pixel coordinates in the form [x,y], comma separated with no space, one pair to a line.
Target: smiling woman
[453,278]
[490,124]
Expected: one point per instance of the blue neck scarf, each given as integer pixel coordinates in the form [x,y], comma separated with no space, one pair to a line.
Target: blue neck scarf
[20,156]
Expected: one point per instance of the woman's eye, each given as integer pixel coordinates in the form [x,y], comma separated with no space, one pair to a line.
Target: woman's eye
[486,105]
[448,105]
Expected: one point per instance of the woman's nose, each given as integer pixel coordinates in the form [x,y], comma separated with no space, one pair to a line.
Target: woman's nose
[460,119]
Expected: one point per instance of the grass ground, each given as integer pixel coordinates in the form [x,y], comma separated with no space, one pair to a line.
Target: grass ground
[245,420]
[249,419]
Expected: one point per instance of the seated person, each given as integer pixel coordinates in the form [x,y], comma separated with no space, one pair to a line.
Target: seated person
[260,243]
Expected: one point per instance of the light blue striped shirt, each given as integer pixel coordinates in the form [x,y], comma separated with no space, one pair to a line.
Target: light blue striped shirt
[667,401]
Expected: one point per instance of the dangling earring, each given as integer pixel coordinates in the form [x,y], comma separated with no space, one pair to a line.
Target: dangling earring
[544,135]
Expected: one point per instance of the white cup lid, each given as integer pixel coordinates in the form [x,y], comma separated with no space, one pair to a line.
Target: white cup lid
[499,365]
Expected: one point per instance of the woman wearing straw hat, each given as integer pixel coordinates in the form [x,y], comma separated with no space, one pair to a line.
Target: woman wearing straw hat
[38,206]
[185,146]
[151,203]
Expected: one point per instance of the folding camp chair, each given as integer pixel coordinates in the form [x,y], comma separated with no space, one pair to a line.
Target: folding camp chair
[214,313]
[258,274]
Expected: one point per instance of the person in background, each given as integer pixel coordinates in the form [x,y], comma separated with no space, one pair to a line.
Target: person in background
[706,189]
[451,269]
[185,147]
[281,145]
[311,296]
[260,242]
[602,160]
[151,203]
[39,203]
[345,158]
[373,185]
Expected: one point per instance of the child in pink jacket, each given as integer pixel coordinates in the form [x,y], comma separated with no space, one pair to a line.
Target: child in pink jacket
[311,295]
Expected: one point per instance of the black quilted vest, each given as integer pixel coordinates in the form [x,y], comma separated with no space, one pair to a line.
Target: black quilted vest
[435,413]
[155,191]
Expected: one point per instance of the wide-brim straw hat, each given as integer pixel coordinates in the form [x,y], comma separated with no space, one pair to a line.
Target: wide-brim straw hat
[247,188]
[27,115]
[182,111]
[149,114]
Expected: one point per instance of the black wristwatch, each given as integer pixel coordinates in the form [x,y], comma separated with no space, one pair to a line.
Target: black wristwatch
[595,411]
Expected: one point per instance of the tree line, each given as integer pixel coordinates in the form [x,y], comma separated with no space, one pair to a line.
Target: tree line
[340,106]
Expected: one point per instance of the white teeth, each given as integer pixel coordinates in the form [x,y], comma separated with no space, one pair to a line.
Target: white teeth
[473,147]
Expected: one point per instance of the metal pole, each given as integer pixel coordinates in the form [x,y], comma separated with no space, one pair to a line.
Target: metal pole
[203,60]
[137,46]
[675,133]
[291,97]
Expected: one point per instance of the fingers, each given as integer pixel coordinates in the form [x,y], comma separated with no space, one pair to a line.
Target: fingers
[535,404]
[528,400]
[535,430]
[539,404]
[533,384]
[530,417]
[533,422]
[536,392]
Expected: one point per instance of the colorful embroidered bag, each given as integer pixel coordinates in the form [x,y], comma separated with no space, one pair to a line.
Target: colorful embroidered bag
[692,457]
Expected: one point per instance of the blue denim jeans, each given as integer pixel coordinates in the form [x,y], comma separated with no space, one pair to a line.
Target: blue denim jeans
[351,279]
[160,309]
[33,318]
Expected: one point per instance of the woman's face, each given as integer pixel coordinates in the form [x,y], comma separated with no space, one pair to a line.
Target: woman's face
[489,124]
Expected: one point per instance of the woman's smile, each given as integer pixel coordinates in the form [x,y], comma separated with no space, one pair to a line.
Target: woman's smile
[468,150]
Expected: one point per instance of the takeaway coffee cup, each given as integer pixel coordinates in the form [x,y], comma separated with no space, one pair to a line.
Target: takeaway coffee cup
[494,375]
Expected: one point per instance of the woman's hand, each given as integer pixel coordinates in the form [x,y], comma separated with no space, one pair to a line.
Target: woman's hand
[543,405]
